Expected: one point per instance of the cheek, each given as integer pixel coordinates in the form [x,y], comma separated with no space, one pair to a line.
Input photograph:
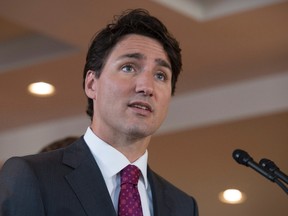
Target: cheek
[164,105]
[112,91]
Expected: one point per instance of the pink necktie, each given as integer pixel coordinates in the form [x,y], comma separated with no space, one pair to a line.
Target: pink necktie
[129,198]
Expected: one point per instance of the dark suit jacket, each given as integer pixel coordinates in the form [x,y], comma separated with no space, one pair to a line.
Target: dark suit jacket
[68,182]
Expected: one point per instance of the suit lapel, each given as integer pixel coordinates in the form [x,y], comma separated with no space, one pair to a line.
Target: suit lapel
[161,199]
[89,186]
[86,180]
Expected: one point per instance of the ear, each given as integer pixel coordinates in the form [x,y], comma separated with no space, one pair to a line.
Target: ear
[90,84]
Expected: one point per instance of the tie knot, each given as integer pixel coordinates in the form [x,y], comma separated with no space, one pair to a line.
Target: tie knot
[130,174]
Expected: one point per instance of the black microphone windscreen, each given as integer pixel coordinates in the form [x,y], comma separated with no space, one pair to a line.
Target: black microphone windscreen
[242,157]
[268,165]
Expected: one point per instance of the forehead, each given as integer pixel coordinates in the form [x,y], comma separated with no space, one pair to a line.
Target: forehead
[133,43]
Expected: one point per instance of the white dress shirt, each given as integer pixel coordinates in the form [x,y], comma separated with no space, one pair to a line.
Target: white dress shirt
[111,162]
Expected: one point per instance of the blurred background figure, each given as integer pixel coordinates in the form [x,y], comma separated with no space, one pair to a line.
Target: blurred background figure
[59,144]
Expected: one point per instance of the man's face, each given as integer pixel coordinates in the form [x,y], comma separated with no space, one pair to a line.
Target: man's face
[132,94]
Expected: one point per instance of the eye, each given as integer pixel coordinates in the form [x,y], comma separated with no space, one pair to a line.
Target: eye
[128,68]
[161,76]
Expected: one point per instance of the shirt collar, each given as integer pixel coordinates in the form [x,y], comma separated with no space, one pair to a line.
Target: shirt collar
[110,160]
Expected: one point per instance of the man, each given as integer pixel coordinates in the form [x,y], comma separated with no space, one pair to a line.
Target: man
[130,74]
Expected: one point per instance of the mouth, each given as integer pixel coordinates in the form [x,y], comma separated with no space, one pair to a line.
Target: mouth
[141,106]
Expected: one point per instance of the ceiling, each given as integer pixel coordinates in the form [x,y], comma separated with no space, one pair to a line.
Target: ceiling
[232,92]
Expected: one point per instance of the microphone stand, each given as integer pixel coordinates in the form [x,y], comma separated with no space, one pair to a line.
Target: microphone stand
[281,185]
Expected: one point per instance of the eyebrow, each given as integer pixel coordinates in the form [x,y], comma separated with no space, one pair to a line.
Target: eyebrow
[163,63]
[139,56]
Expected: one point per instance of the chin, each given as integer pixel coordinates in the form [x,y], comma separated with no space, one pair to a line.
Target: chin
[139,132]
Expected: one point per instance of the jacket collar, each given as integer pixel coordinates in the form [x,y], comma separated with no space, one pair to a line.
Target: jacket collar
[89,186]
[86,180]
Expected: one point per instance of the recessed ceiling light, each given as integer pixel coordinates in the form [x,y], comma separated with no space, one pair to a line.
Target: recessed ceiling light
[232,196]
[41,89]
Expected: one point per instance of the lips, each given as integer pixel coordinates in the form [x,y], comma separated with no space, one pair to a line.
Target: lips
[141,105]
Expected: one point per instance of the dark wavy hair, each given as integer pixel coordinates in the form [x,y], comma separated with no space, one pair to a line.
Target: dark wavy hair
[136,21]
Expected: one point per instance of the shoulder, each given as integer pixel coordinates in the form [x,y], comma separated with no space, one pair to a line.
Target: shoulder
[37,163]
[30,165]
[32,171]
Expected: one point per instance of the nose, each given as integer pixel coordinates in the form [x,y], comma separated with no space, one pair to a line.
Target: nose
[145,84]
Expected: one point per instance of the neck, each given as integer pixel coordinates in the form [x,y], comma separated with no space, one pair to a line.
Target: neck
[133,151]
[132,147]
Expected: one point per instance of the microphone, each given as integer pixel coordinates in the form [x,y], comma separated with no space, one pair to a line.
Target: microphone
[271,172]
[273,168]
[244,158]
